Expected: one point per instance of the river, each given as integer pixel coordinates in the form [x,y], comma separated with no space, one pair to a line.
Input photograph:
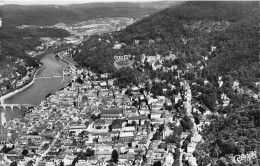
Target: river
[39,89]
[43,86]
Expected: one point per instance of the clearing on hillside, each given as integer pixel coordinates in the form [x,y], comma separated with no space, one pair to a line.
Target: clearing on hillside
[123,63]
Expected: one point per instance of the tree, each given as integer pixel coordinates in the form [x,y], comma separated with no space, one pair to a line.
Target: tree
[30,163]
[110,127]
[134,123]
[33,151]
[84,99]
[156,135]
[74,161]
[87,123]
[210,100]
[157,89]
[25,152]
[195,153]
[226,110]
[94,117]
[42,163]
[190,75]
[178,129]
[161,127]
[169,108]
[89,152]
[186,123]
[45,146]
[14,163]
[114,156]
[185,144]
[189,137]
[157,163]
[173,138]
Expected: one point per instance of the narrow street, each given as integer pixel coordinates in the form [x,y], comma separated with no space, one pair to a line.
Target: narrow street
[39,159]
[188,97]
[181,154]
[150,136]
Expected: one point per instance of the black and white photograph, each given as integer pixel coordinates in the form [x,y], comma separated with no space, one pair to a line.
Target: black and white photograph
[129,83]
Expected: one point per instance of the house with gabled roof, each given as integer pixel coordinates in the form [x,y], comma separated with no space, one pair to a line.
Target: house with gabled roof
[191,147]
[103,85]
[156,114]
[77,128]
[118,126]
[140,120]
[110,114]
[126,137]
[13,153]
[129,129]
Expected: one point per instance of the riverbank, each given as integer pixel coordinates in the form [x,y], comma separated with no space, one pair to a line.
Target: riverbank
[8,95]
[38,91]
[35,90]
[43,86]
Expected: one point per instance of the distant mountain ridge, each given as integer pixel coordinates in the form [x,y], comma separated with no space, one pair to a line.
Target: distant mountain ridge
[15,15]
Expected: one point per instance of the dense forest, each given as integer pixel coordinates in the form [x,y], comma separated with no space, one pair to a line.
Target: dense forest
[237,45]
[227,137]
[230,26]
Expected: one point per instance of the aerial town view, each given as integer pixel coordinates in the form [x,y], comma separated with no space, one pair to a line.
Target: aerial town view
[124,83]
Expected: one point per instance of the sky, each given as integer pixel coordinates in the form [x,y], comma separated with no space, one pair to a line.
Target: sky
[60,2]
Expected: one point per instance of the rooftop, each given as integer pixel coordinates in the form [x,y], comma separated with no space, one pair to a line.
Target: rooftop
[129,128]
[100,121]
[126,134]
[142,117]
[112,111]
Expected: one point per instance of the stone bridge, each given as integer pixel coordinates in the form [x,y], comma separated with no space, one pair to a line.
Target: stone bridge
[27,106]
[6,115]
[48,76]
[51,76]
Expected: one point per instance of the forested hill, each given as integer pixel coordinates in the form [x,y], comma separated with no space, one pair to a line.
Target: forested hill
[175,17]
[189,30]
[192,28]
[15,15]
